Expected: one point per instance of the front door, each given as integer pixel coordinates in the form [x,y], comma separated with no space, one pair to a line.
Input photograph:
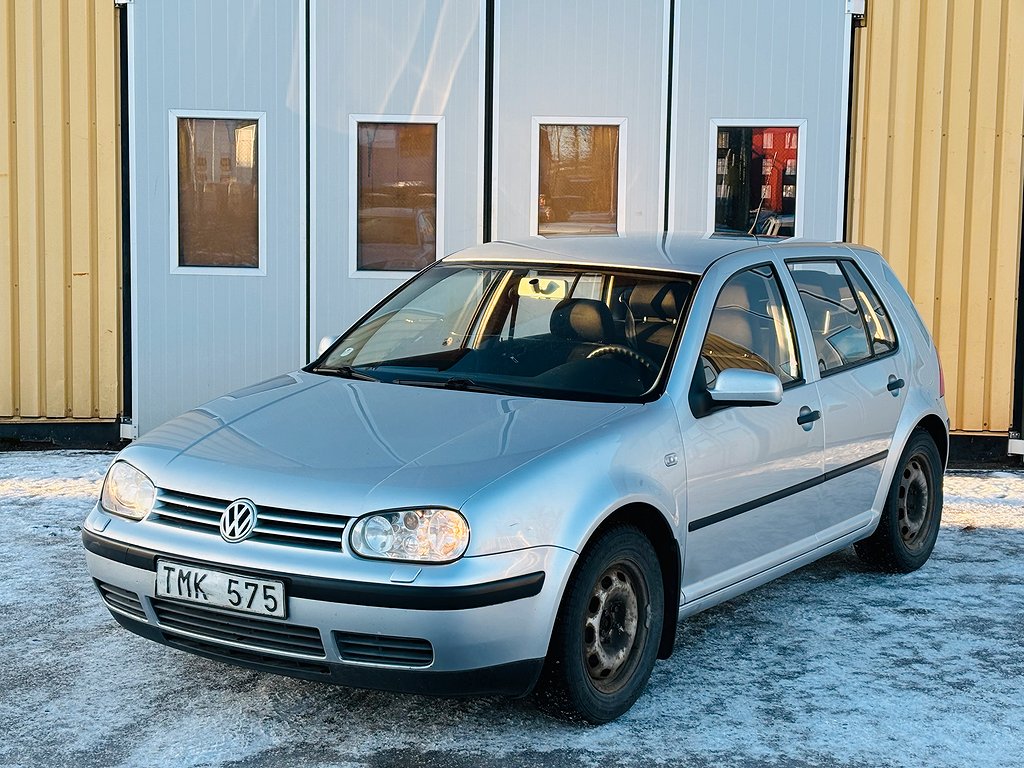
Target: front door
[751,470]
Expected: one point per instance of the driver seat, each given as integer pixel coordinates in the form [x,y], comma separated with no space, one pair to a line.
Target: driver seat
[585,324]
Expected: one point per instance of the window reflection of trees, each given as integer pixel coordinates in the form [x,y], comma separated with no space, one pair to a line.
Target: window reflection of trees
[578,179]
[218,192]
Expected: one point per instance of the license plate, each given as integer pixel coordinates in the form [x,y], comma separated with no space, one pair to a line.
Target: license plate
[220,590]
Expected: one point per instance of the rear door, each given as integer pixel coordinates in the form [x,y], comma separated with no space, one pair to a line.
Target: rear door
[751,470]
[862,385]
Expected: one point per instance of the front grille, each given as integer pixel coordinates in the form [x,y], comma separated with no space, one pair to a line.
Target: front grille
[381,649]
[121,600]
[263,634]
[280,664]
[291,526]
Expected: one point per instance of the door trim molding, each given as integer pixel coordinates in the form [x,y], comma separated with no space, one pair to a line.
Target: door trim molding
[792,490]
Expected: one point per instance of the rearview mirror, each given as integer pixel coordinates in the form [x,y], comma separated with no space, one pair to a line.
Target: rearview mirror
[543,288]
[739,386]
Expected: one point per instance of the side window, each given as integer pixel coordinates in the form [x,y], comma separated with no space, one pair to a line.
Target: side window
[836,311]
[398,168]
[751,328]
[578,179]
[880,331]
[218,192]
[756,180]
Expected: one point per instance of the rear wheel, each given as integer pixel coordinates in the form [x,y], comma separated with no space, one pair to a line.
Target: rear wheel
[606,636]
[909,524]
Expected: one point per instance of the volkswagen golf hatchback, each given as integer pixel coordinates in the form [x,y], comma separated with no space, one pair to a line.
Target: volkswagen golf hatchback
[524,466]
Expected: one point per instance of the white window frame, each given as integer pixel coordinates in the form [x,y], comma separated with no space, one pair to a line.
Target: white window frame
[620,202]
[353,192]
[172,155]
[748,122]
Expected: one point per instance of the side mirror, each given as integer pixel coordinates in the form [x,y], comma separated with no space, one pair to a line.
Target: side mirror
[325,344]
[738,386]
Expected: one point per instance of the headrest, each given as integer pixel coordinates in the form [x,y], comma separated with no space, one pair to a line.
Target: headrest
[734,295]
[582,320]
[823,284]
[658,301]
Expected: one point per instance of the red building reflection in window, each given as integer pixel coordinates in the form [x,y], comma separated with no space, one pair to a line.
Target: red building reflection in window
[756,181]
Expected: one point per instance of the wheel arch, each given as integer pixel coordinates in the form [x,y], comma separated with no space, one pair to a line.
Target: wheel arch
[936,427]
[659,532]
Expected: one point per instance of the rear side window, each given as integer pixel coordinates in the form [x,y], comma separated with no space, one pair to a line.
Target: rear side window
[848,322]
[876,317]
[750,328]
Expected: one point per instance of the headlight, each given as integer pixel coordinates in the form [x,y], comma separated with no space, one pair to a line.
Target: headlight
[415,535]
[127,492]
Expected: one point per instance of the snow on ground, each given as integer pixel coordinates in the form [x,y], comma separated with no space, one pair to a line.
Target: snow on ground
[831,666]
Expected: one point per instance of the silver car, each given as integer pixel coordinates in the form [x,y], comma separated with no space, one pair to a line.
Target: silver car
[524,466]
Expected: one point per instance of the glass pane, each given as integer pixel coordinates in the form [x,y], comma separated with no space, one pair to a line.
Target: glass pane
[833,313]
[756,182]
[554,332]
[218,193]
[579,180]
[397,196]
[751,329]
[883,337]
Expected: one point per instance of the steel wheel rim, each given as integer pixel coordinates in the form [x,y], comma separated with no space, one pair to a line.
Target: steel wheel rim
[914,502]
[613,628]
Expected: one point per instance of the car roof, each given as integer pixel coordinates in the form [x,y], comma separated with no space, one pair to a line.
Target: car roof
[691,253]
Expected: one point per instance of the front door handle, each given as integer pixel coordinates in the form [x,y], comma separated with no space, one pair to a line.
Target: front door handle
[895,385]
[807,418]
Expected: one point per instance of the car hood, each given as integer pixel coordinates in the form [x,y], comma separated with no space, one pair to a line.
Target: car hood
[337,445]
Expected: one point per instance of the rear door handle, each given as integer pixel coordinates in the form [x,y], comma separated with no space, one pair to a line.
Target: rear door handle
[895,385]
[807,418]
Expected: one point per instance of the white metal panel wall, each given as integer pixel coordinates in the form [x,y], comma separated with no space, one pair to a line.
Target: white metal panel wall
[580,58]
[750,59]
[196,336]
[389,58]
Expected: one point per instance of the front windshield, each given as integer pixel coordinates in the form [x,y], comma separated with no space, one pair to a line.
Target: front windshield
[560,332]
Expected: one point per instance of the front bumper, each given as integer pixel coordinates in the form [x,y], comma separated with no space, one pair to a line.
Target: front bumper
[484,632]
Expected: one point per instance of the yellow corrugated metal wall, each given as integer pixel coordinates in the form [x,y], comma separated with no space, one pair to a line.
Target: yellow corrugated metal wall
[936,180]
[59,210]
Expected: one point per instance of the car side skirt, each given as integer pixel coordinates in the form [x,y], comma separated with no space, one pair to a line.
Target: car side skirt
[757,580]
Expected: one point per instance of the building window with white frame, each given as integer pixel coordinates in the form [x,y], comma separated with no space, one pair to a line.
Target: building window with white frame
[578,180]
[218,192]
[756,181]
[396,195]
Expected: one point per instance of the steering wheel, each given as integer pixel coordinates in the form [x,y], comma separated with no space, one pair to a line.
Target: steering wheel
[619,349]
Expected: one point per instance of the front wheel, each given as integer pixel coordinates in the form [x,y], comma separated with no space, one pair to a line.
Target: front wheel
[608,629]
[909,524]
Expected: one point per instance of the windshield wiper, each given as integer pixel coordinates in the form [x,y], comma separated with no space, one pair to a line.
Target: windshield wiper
[345,372]
[458,383]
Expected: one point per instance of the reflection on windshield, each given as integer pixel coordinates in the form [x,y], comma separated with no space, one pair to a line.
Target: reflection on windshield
[520,330]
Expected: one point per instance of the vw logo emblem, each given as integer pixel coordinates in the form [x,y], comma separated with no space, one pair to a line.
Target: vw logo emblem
[238,521]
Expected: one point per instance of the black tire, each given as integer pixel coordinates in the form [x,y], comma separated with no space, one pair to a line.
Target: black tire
[909,525]
[608,629]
